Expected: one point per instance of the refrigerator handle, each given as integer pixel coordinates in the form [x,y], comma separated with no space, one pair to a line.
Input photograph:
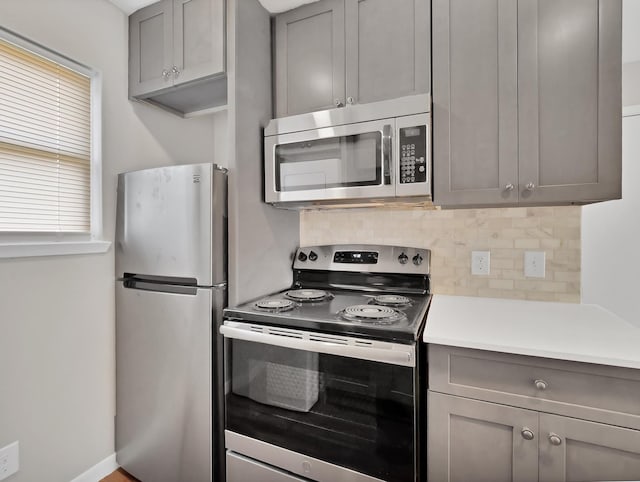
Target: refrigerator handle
[136,284]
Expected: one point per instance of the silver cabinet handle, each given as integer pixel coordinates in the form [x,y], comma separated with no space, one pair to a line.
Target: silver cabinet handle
[540,384]
[165,74]
[386,155]
[554,439]
[338,103]
[509,187]
[175,71]
[527,433]
[350,100]
[530,186]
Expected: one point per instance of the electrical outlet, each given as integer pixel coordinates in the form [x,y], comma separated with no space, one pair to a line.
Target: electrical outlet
[480,262]
[9,460]
[534,262]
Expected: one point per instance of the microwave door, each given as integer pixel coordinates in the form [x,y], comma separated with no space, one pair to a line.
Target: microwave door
[344,162]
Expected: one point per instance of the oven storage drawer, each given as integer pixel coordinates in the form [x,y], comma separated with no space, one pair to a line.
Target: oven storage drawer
[591,392]
[243,469]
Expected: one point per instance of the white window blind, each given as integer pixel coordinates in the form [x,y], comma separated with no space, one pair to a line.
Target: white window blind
[45,144]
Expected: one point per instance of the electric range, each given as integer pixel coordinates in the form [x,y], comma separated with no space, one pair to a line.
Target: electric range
[325,379]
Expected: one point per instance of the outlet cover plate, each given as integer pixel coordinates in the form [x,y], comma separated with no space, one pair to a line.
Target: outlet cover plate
[534,262]
[9,460]
[480,263]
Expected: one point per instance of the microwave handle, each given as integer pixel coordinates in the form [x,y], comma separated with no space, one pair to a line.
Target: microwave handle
[393,354]
[387,171]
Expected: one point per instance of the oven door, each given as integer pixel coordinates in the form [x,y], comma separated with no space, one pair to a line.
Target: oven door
[353,161]
[345,401]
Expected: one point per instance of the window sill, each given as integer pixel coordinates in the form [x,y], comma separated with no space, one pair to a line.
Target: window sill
[60,248]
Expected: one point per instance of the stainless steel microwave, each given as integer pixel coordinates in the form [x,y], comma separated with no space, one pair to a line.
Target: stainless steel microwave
[377,152]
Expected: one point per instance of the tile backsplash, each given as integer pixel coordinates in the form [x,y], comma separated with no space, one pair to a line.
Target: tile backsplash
[452,234]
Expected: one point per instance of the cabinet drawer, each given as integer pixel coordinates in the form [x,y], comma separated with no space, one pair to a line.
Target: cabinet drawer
[582,390]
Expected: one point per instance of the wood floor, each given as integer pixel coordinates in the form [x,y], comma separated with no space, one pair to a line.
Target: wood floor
[119,476]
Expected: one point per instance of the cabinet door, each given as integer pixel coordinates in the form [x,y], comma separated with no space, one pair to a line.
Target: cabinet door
[309,58]
[475,111]
[198,39]
[480,441]
[387,49]
[585,451]
[150,50]
[569,93]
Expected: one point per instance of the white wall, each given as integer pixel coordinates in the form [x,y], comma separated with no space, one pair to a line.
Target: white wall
[610,230]
[57,389]
[610,238]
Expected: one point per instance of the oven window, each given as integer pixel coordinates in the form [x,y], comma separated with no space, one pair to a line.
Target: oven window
[349,412]
[326,163]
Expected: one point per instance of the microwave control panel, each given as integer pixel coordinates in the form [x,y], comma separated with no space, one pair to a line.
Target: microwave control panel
[413,154]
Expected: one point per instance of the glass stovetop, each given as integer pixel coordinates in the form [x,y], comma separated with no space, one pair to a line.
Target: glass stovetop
[325,315]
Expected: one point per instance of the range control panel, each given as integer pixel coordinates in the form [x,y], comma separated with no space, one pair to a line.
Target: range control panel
[363,258]
[413,154]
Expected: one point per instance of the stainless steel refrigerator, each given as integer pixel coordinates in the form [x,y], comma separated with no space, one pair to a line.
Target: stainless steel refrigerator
[171,257]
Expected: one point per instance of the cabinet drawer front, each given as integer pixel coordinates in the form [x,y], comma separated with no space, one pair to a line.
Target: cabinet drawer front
[593,392]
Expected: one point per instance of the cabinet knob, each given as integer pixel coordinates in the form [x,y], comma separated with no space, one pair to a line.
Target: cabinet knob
[175,71]
[350,100]
[166,74]
[338,103]
[554,439]
[509,187]
[527,433]
[530,186]
[540,384]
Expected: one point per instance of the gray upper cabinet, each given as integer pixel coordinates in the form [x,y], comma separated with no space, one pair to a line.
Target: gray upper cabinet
[527,101]
[338,52]
[387,45]
[309,58]
[177,54]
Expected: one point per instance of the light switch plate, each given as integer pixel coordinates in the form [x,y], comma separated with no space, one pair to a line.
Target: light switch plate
[480,263]
[9,460]
[534,262]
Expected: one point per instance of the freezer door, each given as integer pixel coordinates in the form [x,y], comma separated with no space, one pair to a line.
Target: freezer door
[171,222]
[164,382]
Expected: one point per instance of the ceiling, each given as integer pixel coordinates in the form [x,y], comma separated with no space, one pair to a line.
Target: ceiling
[273,6]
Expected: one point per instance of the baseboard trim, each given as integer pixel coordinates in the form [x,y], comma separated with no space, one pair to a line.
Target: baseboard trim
[98,471]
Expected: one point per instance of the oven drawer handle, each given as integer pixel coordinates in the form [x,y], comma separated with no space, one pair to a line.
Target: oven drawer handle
[393,354]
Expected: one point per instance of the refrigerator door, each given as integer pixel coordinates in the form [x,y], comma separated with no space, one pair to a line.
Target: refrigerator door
[171,222]
[165,372]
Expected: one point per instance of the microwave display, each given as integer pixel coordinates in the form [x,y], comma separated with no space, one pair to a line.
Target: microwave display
[413,154]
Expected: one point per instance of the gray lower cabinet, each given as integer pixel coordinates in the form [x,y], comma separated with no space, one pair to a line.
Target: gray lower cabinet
[469,440]
[334,53]
[500,417]
[177,54]
[573,450]
[540,122]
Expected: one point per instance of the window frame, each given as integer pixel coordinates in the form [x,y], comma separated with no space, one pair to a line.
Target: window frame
[26,244]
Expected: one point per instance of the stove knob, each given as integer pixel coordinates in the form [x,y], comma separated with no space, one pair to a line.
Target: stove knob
[417,260]
[302,257]
[313,256]
[403,258]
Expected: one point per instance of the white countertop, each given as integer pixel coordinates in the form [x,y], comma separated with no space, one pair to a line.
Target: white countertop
[566,331]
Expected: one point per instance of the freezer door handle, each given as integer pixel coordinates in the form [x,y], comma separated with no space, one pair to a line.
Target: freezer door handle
[378,351]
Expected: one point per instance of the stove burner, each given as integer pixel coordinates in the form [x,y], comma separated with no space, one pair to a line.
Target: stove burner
[391,300]
[374,314]
[307,295]
[274,306]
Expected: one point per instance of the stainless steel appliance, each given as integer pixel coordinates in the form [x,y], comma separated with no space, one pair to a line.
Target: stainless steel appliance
[371,152]
[171,289]
[325,380]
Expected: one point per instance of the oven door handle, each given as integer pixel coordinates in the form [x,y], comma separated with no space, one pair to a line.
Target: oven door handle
[383,352]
